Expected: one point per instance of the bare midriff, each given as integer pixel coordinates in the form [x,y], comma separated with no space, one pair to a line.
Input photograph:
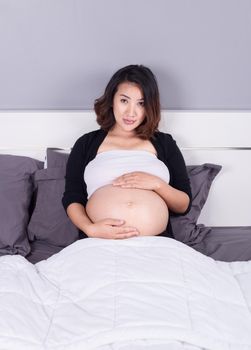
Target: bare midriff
[143,209]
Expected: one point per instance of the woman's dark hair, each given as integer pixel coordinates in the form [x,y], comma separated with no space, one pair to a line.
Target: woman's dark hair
[146,81]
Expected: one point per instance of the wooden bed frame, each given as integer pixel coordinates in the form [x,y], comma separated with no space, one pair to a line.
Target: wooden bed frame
[204,137]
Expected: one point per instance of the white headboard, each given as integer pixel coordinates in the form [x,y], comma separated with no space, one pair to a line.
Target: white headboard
[204,137]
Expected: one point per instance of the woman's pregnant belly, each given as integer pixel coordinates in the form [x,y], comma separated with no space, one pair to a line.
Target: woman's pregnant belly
[143,209]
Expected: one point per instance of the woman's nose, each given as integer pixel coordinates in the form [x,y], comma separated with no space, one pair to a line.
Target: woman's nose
[131,110]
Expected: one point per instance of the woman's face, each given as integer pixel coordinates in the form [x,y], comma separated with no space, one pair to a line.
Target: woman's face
[128,107]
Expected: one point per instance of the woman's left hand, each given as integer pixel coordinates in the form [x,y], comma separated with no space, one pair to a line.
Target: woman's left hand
[138,179]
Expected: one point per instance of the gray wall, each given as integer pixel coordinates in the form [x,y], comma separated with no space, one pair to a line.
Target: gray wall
[59,54]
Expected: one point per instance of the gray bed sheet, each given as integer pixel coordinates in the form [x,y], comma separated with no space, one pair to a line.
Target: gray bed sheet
[224,243]
[220,243]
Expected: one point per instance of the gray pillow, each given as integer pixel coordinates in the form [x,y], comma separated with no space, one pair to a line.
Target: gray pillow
[16,190]
[49,222]
[184,227]
[56,157]
[201,178]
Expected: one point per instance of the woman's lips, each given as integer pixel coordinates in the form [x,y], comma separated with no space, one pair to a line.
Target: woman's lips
[128,121]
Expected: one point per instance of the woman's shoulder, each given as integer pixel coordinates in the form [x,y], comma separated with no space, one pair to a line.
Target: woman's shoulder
[164,137]
[165,144]
[89,136]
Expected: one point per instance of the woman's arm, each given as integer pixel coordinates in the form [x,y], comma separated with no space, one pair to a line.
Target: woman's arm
[107,228]
[177,194]
[78,216]
[176,200]
[75,188]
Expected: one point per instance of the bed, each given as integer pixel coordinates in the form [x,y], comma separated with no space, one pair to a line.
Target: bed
[59,291]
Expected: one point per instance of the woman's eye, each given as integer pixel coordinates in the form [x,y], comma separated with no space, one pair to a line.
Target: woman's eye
[123,100]
[141,104]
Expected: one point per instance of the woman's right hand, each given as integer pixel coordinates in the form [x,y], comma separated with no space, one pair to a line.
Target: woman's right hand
[111,229]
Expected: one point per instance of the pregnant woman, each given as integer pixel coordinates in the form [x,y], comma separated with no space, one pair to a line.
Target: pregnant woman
[127,177]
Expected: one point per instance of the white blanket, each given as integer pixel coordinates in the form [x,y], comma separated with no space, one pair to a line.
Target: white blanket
[144,293]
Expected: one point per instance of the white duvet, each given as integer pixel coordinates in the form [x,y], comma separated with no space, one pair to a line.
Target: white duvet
[144,293]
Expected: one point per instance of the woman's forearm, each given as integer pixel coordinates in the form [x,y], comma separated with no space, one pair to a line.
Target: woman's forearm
[176,200]
[78,216]
[106,228]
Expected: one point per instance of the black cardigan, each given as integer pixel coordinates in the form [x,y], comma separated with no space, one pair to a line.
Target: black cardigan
[85,149]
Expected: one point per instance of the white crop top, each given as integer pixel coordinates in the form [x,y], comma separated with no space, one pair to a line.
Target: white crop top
[109,165]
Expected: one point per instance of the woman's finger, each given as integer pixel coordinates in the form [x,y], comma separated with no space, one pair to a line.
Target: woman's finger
[124,234]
